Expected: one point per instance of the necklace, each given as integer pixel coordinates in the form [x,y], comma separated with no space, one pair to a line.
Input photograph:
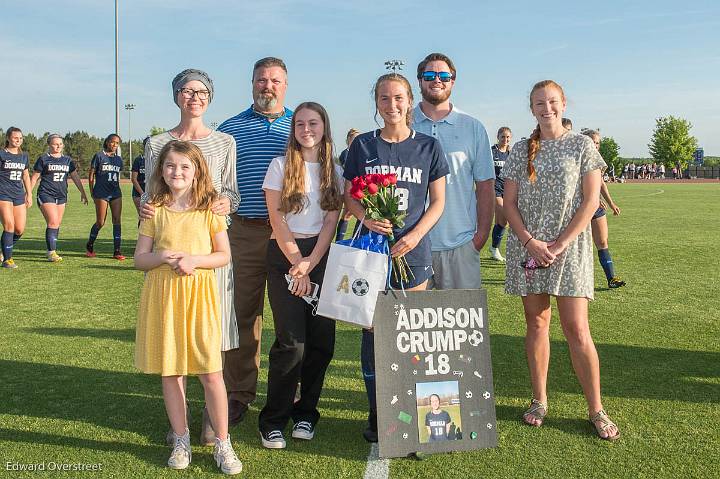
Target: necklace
[269,116]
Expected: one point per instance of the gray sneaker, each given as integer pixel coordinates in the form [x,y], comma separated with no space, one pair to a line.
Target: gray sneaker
[170,436]
[181,454]
[226,458]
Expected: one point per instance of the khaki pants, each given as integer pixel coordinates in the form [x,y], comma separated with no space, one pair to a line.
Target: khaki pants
[248,245]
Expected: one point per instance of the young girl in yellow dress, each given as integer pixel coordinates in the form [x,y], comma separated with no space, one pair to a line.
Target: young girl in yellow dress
[178,331]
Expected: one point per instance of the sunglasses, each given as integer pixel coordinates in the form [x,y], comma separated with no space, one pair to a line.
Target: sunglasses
[442,76]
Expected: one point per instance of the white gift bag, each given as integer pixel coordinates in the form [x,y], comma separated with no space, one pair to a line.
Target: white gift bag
[353,278]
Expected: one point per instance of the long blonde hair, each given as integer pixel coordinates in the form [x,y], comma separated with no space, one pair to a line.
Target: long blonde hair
[292,197]
[534,141]
[203,192]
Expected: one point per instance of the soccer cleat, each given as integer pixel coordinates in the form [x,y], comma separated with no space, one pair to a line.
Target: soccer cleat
[495,254]
[273,439]
[615,282]
[303,430]
[226,458]
[9,264]
[118,256]
[181,454]
[53,257]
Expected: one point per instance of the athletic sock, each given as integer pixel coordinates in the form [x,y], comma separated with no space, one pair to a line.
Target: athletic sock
[16,237]
[497,234]
[341,229]
[93,236]
[117,236]
[51,236]
[607,263]
[7,245]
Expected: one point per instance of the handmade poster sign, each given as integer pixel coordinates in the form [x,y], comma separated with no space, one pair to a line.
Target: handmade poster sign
[433,372]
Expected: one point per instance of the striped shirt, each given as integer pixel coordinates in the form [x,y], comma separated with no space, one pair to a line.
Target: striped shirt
[258,141]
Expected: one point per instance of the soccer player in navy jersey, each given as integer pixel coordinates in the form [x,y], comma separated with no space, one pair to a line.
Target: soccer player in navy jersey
[437,421]
[104,179]
[137,176]
[500,152]
[419,163]
[15,193]
[53,169]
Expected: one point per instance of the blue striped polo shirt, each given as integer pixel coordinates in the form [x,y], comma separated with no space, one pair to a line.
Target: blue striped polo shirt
[258,141]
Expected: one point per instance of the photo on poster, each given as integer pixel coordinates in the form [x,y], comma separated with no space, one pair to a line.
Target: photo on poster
[438,407]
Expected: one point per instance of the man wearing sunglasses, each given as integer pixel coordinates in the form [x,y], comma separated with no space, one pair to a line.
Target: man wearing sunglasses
[464,227]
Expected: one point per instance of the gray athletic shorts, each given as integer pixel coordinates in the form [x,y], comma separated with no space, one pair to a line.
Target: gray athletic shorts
[457,268]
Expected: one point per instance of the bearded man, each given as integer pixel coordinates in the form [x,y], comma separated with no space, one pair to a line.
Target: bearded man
[464,227]
[261,134]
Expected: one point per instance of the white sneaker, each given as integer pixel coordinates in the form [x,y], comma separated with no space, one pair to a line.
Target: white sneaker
[181,454]
[495,254]
[226,458]
[303,430]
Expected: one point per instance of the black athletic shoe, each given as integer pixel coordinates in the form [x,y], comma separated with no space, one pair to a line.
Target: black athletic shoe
[615,283]
[370,435]
[303,430]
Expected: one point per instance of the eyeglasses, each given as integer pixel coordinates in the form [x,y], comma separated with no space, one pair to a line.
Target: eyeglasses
[189,93]
[443,76]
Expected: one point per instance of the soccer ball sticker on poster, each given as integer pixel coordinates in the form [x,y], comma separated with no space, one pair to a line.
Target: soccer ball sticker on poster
[433,372]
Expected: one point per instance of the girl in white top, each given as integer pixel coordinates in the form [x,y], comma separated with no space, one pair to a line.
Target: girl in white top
[303,191]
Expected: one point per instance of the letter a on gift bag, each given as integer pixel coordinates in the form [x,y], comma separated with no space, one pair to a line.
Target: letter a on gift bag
[357,269]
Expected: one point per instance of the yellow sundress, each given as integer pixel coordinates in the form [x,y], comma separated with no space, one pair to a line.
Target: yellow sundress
[178,329]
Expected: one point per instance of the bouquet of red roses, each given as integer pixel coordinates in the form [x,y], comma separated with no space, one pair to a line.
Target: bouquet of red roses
[376,193]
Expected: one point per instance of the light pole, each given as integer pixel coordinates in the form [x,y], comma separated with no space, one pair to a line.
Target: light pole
[129,107]
[394,65]
[117,92]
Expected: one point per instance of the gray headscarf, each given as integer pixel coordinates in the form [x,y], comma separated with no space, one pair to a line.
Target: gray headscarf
[188,75]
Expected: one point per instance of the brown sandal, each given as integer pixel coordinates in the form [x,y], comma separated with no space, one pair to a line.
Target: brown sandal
[537,411]
[605,423]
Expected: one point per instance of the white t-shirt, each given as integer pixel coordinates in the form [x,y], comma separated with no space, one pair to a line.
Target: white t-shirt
[310,219]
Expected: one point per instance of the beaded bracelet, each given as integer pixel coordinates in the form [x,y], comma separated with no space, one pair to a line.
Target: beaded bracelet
[525,245]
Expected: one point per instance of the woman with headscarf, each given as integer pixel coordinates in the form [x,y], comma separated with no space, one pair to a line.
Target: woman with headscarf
[192,92]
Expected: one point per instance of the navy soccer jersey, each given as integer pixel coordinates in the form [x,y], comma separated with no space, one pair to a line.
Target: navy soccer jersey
[417,161]
[499,158]
[438,425]
[54,174]
[107,175]
[11,173]
[138,166]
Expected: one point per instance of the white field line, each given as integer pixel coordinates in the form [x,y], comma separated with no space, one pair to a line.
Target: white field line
[658,192]
[376,468]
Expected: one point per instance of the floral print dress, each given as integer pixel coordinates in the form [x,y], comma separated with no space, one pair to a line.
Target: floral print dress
[547,206]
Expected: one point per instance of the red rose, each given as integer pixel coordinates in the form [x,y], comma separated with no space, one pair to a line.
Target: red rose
[357,193]
[377,178]
[373,188]
[385,181]
[393,178]
[369,179]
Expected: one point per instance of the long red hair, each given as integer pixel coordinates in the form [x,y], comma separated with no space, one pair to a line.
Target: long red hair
[534,140]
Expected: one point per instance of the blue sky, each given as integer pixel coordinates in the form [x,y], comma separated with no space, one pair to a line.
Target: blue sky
[622,64]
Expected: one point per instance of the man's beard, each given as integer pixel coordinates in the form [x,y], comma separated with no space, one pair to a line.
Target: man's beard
[266,101]
[435,99]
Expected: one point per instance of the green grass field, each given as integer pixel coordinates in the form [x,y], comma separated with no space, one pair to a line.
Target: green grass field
[69,392]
